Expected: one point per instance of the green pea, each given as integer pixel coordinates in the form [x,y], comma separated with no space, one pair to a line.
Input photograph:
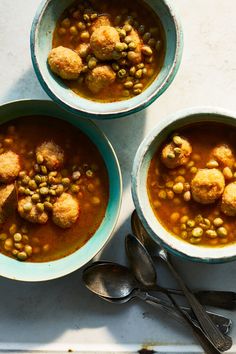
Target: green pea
[85,35]
[17,237]
[119,47]
[40,207]
[152,42]
[12,229]
[126,93]
[27,206]
[137,92]
[21,190]
[65,23]
[44,191]
[39,158]
[35,197]
[37,179]
[146,36]
[26,180]
[128,84]
[132,71]
[222,232]
[138,86]
[218,222]
[22,256]
[115,66]
[28,250]
[74,188]
[44,169]
[8,244]
[141,29]
[190,223]
[3,236]
[139,74]
[22,174]
[122,33]
[32,185]
[60,189]
[127,28]
[48,205]
[121,73]
[132,45]
[92,63]
[146,50]
[195,240]
[128,39]
[65,182]
[211,233]
[37,168]
[197,232]
[81,25]
[86,17]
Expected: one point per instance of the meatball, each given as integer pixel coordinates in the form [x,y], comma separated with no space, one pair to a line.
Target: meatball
[174,155]
[224,155]
[65,63]
[103,42]
[65,211]
[135,56]
[29,211]
[102,20]
[9,166]
[207,185]
[228,204]
[51,155]
[99,78]
[8,201]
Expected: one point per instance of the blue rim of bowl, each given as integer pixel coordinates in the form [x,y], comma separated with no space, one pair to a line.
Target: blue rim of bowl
[68,270]
[142,150]
[109,115]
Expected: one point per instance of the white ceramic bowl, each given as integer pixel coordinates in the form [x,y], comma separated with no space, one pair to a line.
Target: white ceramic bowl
[41,43]
[139,191]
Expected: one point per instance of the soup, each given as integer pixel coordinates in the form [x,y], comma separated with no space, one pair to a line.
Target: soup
[54,189]
[108,51]
[192,184]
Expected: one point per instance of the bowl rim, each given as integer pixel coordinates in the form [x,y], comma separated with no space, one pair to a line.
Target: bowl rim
[108,114]
[21,274]
[135,186]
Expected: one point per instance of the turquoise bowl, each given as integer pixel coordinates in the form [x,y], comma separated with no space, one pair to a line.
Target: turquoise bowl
[141,165]
[41,43]
[26,271]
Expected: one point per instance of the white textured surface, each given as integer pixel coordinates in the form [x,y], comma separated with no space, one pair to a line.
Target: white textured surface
[62,314]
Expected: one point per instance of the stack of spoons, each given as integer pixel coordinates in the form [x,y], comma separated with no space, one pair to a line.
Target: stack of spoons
[118,284]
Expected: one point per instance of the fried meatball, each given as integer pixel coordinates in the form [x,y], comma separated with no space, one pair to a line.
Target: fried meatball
[207,185]
[102,20]
[9,166]
[29,211]
[8,201]
[176,155]
[103,42]
[228,204]
[135,56]
[224,155]
[52,155]
[65,211]
[100,77]
[65,63]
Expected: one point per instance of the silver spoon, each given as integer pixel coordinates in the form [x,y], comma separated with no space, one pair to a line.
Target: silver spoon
[115,283]
[221,299]
[220,341]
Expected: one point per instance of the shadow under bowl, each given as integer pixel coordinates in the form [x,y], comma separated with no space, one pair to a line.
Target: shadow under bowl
[26,271]
[142,160]
[41,43]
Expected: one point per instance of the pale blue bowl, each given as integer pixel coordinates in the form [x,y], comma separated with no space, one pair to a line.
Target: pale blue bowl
[141,165]
[41,43]
[14,269]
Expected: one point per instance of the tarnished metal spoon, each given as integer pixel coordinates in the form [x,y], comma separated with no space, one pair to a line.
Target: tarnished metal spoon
[115,283]
[221,299]
[219,340]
